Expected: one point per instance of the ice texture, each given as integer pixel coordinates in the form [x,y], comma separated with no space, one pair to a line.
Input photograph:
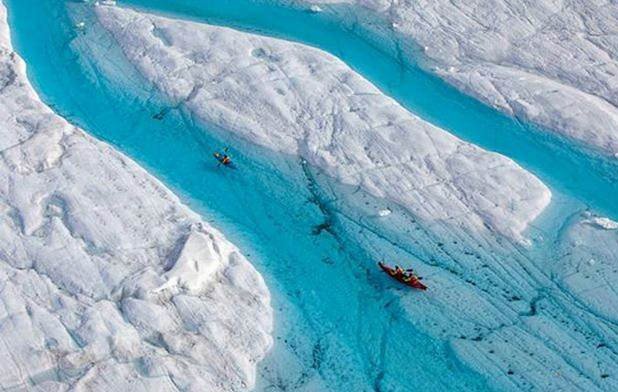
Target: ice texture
[527,319]
[590,264]
[303,101]
[107,281]
[553,62]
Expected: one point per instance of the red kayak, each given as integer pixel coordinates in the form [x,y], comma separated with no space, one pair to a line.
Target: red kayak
[413,281]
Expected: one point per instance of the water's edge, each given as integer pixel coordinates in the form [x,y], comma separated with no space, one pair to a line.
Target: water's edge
[394,68]
[330,332]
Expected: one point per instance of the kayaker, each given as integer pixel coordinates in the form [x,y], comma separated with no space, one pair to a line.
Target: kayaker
[407,276]
[223,159]
[410,276]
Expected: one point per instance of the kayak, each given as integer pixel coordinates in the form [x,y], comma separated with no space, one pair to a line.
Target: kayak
[414,282]
[223,159]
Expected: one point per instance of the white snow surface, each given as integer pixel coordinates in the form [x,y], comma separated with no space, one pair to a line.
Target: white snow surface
[86,238]
[300,100]
[553,62]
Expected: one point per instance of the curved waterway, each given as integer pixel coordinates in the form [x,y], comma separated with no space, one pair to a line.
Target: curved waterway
[338,326]
[339,322]
[566,168]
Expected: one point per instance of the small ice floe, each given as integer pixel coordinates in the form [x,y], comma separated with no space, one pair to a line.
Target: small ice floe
[592,261]
[81,25]
[602,223]
[616,155]
[106,2]
[315,9]
[385,212]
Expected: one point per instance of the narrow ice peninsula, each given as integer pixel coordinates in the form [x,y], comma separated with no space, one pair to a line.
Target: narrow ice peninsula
[107,282]
[299,100]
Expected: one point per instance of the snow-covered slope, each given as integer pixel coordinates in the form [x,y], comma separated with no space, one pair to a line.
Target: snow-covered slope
[107,282]
[554,62]
[300,100]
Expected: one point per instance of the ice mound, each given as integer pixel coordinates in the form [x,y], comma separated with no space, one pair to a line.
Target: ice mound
[87,238]
[202,257]
[552,62]
[303,101]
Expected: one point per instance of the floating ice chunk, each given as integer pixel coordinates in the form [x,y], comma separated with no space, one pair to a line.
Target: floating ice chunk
[385,212]
[315,8]
[602,223]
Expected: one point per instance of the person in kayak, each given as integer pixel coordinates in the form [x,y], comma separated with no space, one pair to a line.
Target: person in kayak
[397,271]
[223,158]
[407,275]
[410,276]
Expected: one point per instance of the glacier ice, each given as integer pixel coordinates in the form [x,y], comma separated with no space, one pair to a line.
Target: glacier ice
[551,62]
[107,281]
[516,317]
[304,101]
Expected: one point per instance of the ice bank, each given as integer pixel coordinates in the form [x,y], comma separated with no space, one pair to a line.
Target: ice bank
[550,62]
[107,282]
